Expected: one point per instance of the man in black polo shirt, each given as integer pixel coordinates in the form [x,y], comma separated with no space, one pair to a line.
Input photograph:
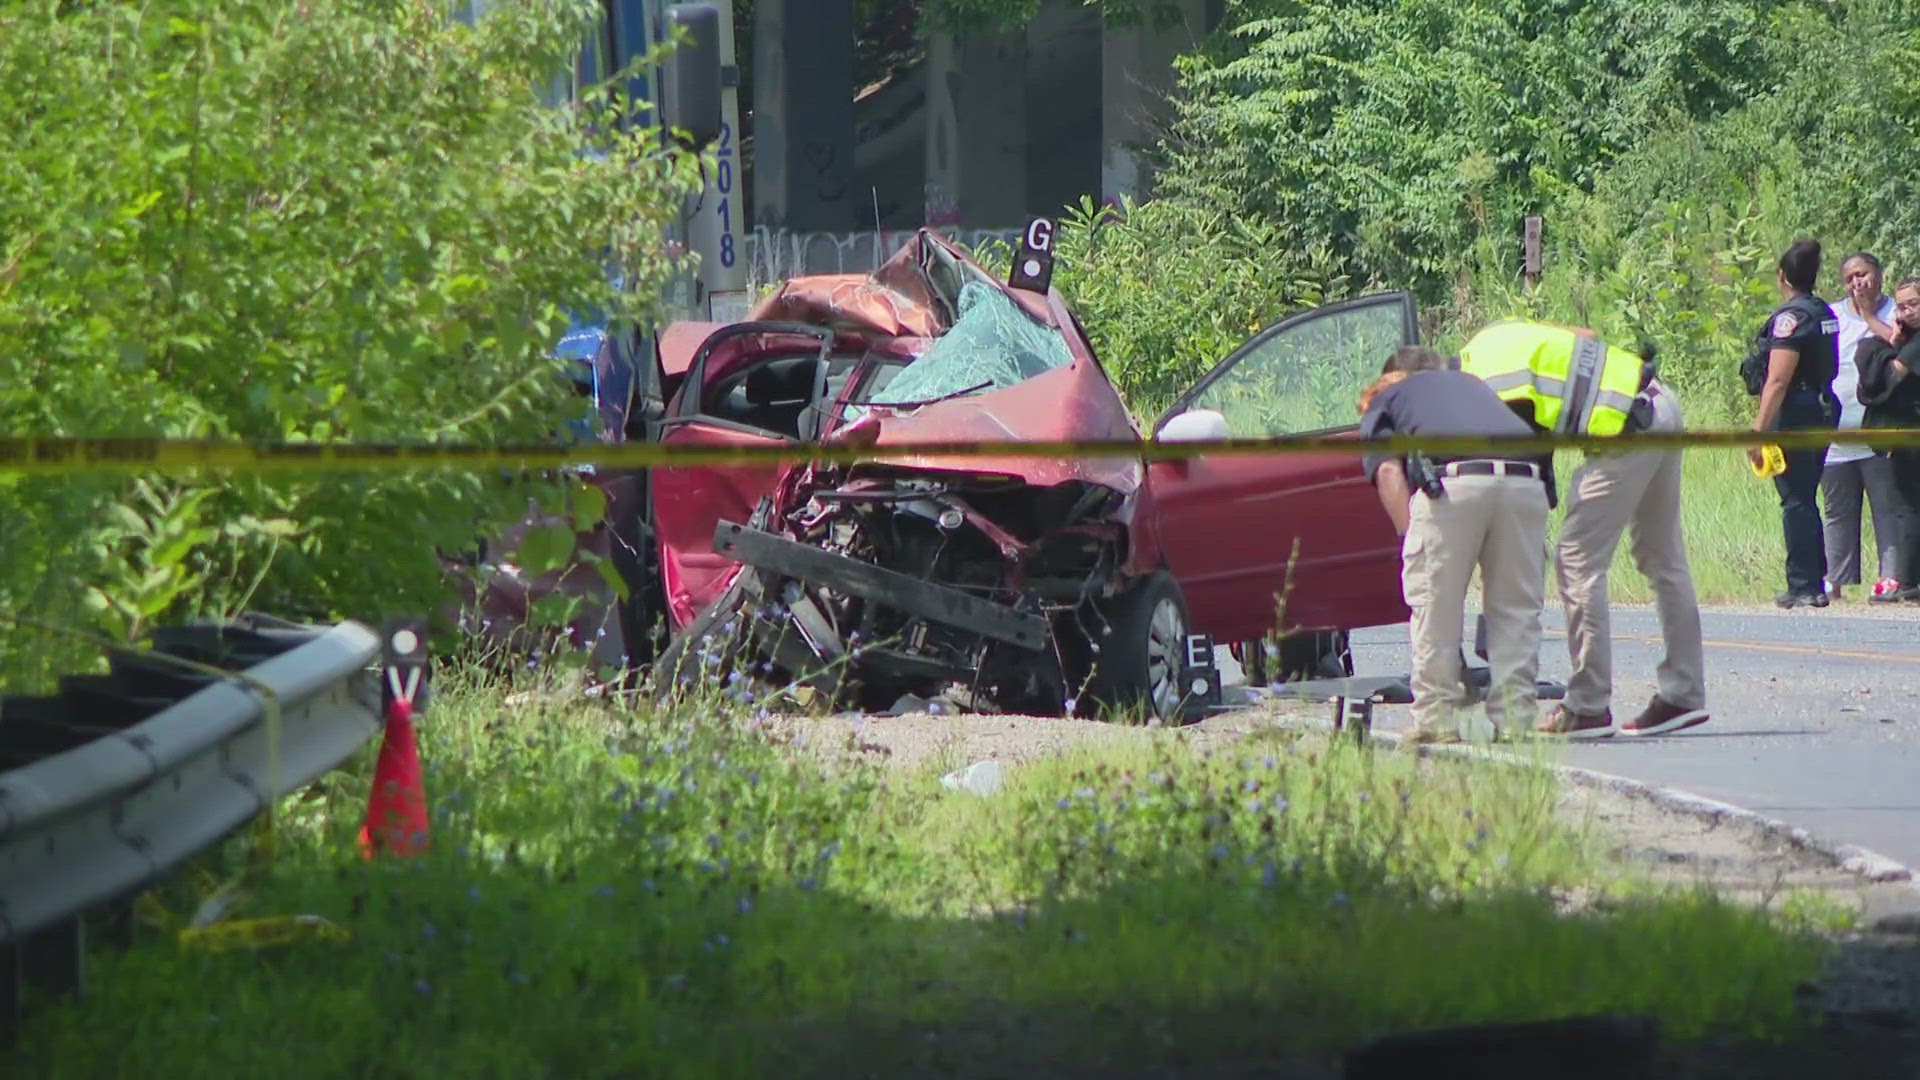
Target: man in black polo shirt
[1484,512]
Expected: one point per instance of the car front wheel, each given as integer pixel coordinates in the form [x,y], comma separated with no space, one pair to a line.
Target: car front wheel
[1142,652]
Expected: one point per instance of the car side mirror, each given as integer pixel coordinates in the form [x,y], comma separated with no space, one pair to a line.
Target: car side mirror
[1194,425]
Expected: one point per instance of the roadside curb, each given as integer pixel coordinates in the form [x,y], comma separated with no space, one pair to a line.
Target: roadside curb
[1848,858]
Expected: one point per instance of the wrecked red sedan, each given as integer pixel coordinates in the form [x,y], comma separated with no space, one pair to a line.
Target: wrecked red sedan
[1030,585]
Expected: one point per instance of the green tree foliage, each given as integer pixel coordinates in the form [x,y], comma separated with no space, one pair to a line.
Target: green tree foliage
[1166,289]
[1678,237]
[1398,131]
[305,221]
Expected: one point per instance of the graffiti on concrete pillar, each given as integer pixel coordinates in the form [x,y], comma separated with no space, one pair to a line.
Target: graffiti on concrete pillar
[773,255]
[942,208]
[829,184]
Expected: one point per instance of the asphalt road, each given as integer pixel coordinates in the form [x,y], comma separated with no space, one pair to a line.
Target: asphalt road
[1816,715]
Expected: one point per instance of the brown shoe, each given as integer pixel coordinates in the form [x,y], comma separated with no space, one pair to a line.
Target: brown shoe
[1660,718]
[1564,723]
[1428,736]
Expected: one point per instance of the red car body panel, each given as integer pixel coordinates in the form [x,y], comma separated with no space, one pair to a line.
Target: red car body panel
[1224,527]
[1229,526]
[1071,402]
[688,500]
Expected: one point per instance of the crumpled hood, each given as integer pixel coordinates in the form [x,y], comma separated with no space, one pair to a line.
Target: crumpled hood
[1071,403]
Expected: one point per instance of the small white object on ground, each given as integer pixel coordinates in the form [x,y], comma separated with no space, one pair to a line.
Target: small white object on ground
[980,778]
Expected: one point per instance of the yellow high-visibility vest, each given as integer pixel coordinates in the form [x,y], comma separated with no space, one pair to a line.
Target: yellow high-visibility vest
[1578,384]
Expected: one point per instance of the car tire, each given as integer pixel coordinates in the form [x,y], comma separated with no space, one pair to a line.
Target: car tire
[1136,668]
[1301,655]
[1324,654]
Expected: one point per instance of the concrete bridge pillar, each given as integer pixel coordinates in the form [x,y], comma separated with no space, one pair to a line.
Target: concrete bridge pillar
[976,129]
[1136,75]
[803,116]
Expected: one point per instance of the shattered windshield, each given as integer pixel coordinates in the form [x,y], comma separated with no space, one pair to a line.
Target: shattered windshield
[993,344]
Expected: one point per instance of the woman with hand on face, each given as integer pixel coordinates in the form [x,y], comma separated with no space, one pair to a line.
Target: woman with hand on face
[1856,474]
[1890,392]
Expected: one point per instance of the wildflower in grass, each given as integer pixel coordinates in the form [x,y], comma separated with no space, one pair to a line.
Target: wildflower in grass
[422,987]
[1340,899]
[1220,851]
[473,894]
[1269,876]
[429,932]
[1063,803]
[604,891]
[746,905]
[1069,705]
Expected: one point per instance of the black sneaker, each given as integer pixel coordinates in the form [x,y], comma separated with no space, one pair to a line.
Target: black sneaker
[1794,599]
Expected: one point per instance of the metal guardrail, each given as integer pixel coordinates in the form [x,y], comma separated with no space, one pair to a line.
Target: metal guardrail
[119,778]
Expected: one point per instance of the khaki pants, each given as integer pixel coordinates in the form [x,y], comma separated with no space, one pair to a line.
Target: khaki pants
[1498,525]
[1610,492]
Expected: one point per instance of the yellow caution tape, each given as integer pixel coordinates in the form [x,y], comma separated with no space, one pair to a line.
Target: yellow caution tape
[61,456]
[262,933]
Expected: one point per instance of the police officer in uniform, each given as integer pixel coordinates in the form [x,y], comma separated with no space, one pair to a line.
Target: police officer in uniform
[1456,515]
[1791,371]
[1566,380]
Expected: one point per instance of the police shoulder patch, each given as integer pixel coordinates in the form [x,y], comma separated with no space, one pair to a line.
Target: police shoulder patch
[1784,324]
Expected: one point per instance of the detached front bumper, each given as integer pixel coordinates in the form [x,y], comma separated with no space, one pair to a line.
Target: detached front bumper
[925,599]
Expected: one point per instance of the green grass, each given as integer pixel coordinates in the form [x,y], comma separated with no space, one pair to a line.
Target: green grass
[619,893]
[1732,523]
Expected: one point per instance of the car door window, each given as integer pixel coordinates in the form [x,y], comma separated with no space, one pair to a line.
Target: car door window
[1305,373]
[760,377]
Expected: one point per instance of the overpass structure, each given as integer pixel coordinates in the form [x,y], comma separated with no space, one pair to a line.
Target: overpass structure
[968,132]
[977,131]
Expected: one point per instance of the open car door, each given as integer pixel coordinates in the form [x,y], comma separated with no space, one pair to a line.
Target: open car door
[750,384]
[1285,542]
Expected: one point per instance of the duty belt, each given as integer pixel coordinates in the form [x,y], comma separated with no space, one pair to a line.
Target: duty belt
[1489,467]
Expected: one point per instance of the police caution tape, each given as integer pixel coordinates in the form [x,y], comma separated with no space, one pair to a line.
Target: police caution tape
[63,456]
